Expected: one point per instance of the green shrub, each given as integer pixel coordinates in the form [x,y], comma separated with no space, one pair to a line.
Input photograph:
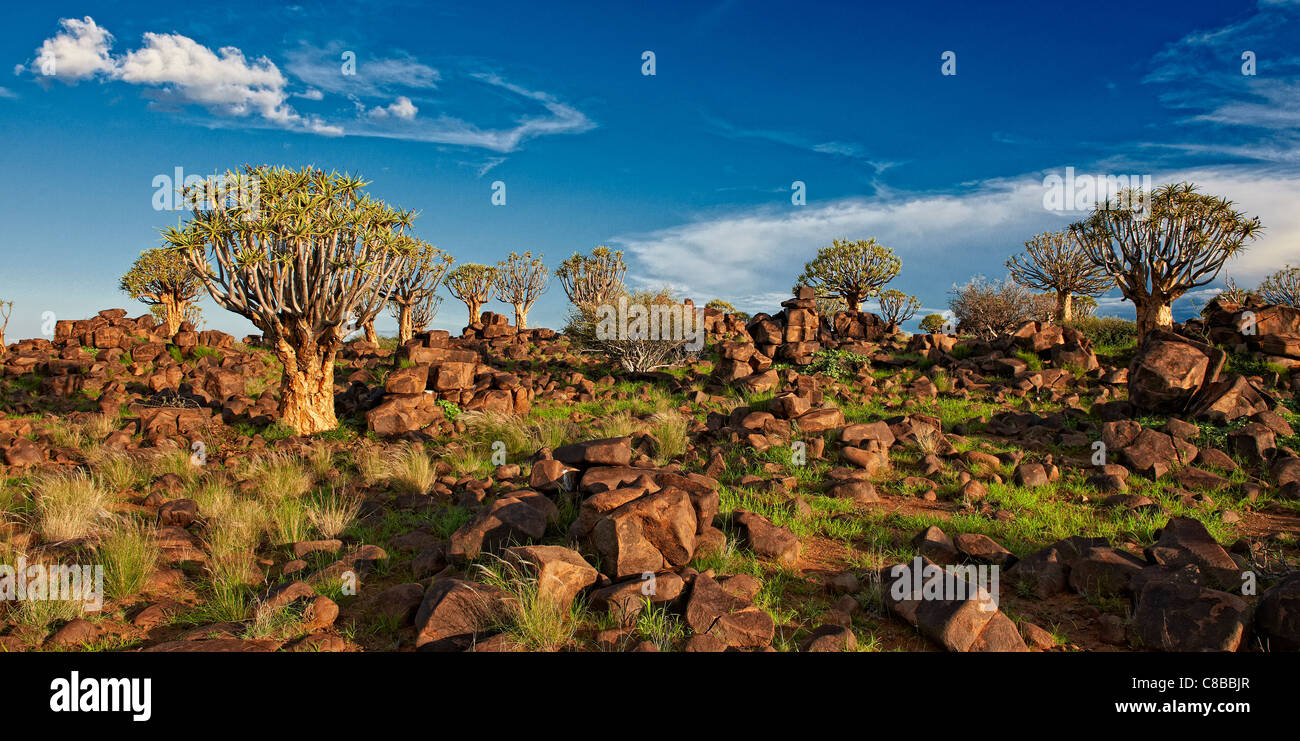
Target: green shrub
[1107,334]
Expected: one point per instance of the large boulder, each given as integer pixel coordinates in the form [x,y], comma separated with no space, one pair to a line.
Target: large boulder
[1168,370]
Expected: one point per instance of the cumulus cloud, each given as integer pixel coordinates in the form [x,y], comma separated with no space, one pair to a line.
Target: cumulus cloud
[401,108]
[942,238]
[179,71]
[79,51]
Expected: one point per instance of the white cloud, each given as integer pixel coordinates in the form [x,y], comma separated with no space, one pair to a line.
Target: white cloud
[942,238]
[401,108]
[7,93]
[180,71]
[79,51]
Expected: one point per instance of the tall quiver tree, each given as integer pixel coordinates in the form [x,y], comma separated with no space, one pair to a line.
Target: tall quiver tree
[1159,246]
[592,280]
[165,279]
[852,271]
[417,280]
[1056,262]
[309,251]
[472,284]
[521,280]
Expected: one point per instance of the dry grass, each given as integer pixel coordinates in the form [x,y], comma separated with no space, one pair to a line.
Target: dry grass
[98,426]
[372,465]
[280,476]
[129,554]
[333,512]
[620,424]
[118,471]
[69,507]
[412,471]
[534,620]
[669,429]
[486,428]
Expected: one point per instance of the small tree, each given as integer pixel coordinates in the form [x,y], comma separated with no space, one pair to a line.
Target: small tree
[933,323]
[521,280]
[472,283]
[591,280]
[645,343]
[1282,287]
[1054,261]
[424,311]
[418,279]
[853,271]
[311,252]
[6,308]
[988,307]
[1159,247]
[164,280]
[897,307]
[1084,306]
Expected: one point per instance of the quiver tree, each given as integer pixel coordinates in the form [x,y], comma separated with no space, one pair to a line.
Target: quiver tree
[423,312]
[933,323]
[592,280]
[472,284]
[897,307]
[1159,247]
[167,282]
[521,280]
[1282,287]
[6,308]
[310,253]
[1055,262]
[852,271]
[417,280]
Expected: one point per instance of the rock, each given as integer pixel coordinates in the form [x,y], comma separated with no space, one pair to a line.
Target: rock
[765,539]
[456,609]
[1035,636]
[1254,442]
[625,600]
[1103,571]
[400,602]
[817,421]
[1168,370]
[561,573]
[862,492]
[724,610]
[75,633]
[652,532]
[983,549]
[1151,453]
[614,451]
[1184,540]
[829,638]
[933,544]
[509,519]
[1031,475]
[550,475]
[1277,616]
[1183,617]
[178,513]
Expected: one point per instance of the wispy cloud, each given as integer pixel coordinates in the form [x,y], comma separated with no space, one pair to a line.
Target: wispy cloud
[373,95]
[834,148]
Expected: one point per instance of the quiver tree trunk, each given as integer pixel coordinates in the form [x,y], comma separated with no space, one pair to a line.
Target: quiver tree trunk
[371,336]
[307,386]
[173,313]
[521,316]
[1154,313]
[1064,306]
[405,330]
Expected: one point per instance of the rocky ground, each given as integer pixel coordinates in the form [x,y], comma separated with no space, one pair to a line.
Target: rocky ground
[498,491]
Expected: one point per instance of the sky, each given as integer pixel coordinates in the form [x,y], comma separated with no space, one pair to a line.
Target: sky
[689,170]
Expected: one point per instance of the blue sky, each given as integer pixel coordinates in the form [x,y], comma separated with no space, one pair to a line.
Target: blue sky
[689,170]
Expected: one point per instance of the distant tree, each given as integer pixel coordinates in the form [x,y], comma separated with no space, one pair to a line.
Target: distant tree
[418,279]
[193,314]
[988,308]
[1282,287]
[424,311]
[591,280]
[933,323]
[521,280]
[166,280]
[1084,306]
[726,307]
[897,307]
[1054,261]
[6,308]
[852,271]
[472,283]
[1159,247]
[309,253]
